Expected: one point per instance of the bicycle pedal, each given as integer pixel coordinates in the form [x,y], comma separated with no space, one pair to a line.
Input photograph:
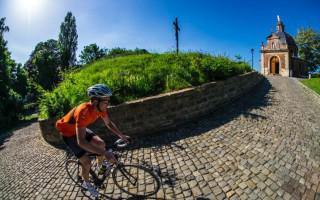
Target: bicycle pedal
[80,179]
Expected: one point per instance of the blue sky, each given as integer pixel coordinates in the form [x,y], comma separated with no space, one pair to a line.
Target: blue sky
[227,27]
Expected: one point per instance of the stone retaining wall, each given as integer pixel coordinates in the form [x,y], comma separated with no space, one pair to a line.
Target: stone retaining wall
[153,114]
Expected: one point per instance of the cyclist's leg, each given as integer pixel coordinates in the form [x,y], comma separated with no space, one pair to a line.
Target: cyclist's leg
[98,142]
[85,167]
[81,155]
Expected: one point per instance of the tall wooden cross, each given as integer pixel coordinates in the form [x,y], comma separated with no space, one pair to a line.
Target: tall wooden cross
[177,29]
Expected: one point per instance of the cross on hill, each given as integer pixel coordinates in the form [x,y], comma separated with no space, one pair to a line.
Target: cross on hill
[177,29]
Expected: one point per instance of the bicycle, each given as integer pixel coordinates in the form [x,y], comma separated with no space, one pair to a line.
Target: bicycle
[133,179]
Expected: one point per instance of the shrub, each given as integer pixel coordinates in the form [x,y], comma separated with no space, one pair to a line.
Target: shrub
[11,110]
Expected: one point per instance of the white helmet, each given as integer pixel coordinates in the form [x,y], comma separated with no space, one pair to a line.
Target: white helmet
[99,91]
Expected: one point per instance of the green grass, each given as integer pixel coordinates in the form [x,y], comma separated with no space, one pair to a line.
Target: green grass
[136,76]
[30,117]
[313,83]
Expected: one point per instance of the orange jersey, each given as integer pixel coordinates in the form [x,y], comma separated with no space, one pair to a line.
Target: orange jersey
[83,116]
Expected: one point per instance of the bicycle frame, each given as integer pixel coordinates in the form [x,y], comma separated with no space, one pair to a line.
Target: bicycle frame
[96,180]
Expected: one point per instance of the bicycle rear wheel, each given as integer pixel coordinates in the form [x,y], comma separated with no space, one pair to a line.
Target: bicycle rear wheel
[136,180]
[73,168]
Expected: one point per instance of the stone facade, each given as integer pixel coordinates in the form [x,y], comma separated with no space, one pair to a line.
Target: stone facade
[164,111]
[283,64]
[280,55]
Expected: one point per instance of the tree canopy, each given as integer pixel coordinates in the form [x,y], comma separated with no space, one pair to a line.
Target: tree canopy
[11,101]
[308,42]
[5,61]
[91,53]
[44,64]
[68,41]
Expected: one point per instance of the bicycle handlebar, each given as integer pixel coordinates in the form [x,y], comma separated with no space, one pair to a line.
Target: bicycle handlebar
[120,143]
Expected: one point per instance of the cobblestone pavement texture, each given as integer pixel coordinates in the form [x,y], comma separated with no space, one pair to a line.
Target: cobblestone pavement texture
[265,145]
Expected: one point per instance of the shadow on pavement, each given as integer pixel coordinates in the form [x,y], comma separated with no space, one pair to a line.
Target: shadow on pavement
[258,98]
[7,133]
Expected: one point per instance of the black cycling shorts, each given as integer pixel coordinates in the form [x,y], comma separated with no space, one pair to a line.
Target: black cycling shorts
[73,143]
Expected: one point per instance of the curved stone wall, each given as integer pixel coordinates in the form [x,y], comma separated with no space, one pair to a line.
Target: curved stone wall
[153,114]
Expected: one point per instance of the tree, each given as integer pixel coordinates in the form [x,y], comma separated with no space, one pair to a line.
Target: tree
[68,41]
[19,81]
[11,105]
[91,53]
[4,61]
[308,42]
[44,63]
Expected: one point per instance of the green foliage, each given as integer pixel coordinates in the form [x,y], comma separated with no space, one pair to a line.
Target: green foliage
[116,52]
[5,61]
[308,42]
[91,53]
[43,64]
[137,76]
[68,41]
[11,101]
[11,109]
[19,80]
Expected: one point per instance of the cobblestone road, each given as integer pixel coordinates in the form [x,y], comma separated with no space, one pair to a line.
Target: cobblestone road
[264,146]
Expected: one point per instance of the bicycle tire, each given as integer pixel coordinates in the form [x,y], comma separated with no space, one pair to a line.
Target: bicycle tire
[120,179]
[72,167]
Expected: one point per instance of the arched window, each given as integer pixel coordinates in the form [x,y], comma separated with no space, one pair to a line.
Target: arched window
[272,45]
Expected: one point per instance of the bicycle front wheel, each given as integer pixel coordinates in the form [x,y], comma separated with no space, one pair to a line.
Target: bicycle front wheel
[136,180]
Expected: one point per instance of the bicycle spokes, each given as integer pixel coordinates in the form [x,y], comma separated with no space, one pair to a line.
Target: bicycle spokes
[129,176]
[136,180]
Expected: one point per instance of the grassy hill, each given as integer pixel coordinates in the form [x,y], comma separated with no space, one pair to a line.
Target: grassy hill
[313,84]
[136,76]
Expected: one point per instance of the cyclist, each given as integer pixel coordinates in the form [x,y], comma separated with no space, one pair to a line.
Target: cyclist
[81,140]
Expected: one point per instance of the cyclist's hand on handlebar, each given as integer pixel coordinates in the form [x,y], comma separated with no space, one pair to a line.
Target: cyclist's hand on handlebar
[125,138]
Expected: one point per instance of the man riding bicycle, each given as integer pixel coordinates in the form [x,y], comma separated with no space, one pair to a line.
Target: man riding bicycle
[81,140]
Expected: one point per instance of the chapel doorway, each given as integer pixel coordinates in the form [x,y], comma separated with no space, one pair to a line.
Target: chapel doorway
[274,65]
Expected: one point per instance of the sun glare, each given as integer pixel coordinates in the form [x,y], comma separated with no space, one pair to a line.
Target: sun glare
[28,8]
